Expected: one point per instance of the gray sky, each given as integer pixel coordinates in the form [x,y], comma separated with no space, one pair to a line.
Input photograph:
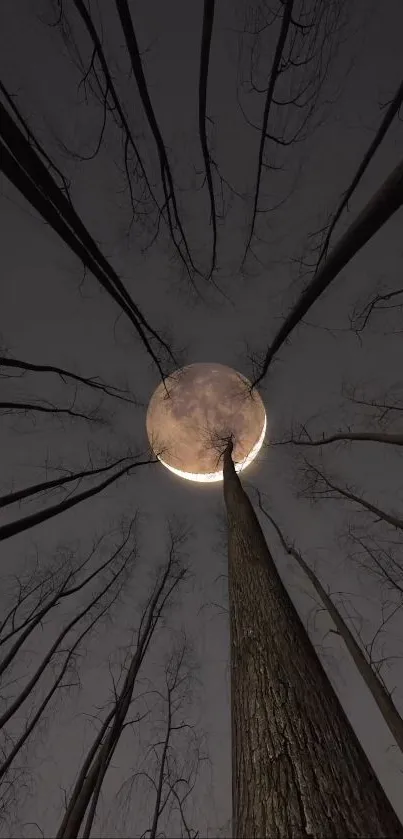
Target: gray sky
[48,317]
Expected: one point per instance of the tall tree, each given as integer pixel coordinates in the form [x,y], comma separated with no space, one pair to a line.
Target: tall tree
[83,801]
[372,680]
[298,767]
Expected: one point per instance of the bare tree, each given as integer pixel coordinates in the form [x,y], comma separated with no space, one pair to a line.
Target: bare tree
[171,204]
[307,39]
[372,541]
[94,382]
[208,19]
[379,209]
[84,797]
[36,599]
[317,485]
[24,167]
[35,693]
[304,438]
[385,301]
[392,111]
[377,553]
[119,571]
[66,479]
[298,767]
[173,753]
[384,408]
[29,408]
[374,684]
[25,523]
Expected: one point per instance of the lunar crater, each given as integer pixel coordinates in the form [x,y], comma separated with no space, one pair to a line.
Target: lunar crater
[194,407]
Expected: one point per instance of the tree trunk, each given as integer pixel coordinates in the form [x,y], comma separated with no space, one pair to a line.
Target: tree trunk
[298,767]
[379,693]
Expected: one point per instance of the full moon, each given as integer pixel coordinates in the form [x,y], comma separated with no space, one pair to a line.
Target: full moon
[196,407]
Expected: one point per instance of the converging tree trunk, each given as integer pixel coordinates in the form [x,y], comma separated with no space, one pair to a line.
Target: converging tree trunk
[298,767]
[374,684]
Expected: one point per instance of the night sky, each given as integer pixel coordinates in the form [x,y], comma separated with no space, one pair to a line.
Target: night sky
[192,412]
[52,312]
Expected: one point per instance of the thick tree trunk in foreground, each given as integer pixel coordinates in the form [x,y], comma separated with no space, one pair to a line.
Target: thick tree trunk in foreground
[298,767]
[378,690]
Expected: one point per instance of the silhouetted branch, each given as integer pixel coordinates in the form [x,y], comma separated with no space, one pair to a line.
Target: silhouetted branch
[95,765]
[166,174]
[381,561]
[208,18]
[9,99]
[11,529]
[382,406]
[319,486]
[174,754]
[45,486]
[18,701]
[24,168]
[7,408]
[93,382]
[360,319]
[63,591]
[117,110]
[285,25]
[56,686]
[350,436]
[390,114]
[377,212]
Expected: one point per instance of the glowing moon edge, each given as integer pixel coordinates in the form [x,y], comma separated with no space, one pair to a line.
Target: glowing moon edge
[211,477]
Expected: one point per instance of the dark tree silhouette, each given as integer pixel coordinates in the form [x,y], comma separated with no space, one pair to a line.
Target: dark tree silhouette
[208,19]
[319,486]
[18,526]
[346,436]
[165,169]
[84,797]
[94,382]
[379,209]
[374,684]
[23,166]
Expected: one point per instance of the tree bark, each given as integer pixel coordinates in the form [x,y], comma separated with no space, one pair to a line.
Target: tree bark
[298,767]
[381,696]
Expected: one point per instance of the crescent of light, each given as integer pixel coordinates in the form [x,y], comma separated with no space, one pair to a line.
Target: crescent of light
[210,477]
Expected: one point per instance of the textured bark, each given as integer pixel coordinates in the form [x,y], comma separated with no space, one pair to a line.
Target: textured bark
[298,768]
[381,696]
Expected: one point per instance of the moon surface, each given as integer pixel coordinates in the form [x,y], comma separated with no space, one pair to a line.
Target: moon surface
[196,406]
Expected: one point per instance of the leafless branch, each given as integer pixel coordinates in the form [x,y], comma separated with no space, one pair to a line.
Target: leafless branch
[208,18]
[166,174]
[86,791]
[349,436]
[319,486]
[24,168]
[379,209]
[11,529]
[390,115]
[93,382]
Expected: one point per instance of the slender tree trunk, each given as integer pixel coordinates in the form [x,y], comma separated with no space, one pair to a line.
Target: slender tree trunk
[358,499]
[298,767]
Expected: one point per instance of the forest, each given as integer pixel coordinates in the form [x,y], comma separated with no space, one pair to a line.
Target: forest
[190,183]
